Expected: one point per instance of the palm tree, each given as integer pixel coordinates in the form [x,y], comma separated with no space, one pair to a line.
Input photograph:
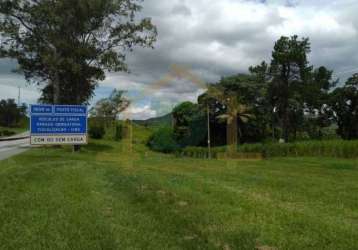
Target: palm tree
[236,113]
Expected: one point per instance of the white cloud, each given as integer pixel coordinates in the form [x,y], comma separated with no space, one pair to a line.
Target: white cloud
[9,89]
[138,113]
[218,38]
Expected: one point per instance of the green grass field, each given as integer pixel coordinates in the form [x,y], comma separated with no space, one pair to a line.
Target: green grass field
[107,197]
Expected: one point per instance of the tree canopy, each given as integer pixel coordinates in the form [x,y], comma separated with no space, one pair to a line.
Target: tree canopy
[289,71]
[110,107]
[69,45]
[345,106]
[286,98]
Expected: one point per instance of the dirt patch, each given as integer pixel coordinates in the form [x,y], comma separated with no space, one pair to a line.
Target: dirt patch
[183,203]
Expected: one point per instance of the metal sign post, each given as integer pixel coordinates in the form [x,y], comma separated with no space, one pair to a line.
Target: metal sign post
[58,125]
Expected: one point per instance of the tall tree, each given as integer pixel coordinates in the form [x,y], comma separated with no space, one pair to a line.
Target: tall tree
[111,107]
[231,100]
[69,44]
[316,101]
[345,106]
[262,106]
[189,124]
[289,70]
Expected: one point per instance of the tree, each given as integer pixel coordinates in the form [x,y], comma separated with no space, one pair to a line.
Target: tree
[111,107]
[261,105]
[236,113]
[70,44]
[316,101]
[183,115]
[10,114]
[189,124]
[345,105]
[105,112]
[163,140]
[289,71]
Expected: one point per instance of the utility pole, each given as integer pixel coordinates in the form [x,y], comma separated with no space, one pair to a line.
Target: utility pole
[172,116]
[209,141]
[131,135]
[19,97]
[55,81]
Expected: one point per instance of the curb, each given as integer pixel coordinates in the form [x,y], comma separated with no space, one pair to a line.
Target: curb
[14,139]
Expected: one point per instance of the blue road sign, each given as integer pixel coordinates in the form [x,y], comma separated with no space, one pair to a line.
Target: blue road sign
[58,124]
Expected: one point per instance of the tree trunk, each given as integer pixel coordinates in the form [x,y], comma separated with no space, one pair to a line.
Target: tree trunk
[231,135]
[77,148]
[286,119]
[56,89]
[285,126]
[285,100]
[56,92]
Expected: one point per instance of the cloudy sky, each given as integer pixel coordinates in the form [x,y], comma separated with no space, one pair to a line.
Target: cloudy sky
[210,39]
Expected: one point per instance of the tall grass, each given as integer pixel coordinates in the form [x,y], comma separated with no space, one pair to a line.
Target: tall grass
[329,148]
[200,152]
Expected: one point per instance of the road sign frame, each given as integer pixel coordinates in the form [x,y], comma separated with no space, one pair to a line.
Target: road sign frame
[63,137]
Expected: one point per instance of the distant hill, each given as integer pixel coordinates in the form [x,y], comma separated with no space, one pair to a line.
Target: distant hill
[165,120]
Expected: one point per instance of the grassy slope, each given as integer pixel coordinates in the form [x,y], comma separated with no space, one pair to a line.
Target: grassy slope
[15,130]
[107,197]
[165,120]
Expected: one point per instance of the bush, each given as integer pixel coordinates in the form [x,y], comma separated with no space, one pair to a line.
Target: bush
[201,152]
[162,140]
[6,133]
[96,132]
[329,148]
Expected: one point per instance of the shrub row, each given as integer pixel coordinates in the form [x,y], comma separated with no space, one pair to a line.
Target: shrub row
[162,140]
[200,152]
[5,133]
[331,148]
[98,130]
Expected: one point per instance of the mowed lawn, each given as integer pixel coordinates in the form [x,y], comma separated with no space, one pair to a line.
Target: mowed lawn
[107,197]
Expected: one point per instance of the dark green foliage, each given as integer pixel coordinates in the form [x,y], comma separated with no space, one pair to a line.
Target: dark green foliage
[189,124]
[105,113]
[5,133]
[70,44]
[316,101]
[163,140]
[286,99]
[345,105]
[110,107]
[271,94]
[11,115]
[289,71]
[96,131]
[329,148]
[200,152]
[246,95]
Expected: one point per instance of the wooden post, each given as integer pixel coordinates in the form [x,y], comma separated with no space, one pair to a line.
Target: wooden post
[209,140]
[232,128]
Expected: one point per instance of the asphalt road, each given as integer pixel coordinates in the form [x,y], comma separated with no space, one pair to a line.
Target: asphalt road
[14,147]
